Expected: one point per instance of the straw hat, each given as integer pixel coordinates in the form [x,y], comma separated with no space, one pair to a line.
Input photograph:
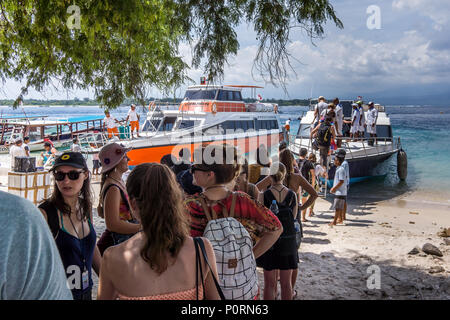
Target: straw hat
[111,154]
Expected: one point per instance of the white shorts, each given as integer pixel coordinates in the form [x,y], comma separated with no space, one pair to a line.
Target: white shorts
[354,129]
[371,129]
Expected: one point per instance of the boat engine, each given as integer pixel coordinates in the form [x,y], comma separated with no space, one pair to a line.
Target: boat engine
[402,164]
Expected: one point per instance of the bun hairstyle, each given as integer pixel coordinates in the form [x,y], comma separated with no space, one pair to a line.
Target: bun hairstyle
[277,171]
[223,160]
[158,196]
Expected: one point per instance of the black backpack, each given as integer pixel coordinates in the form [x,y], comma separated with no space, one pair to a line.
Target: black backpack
[324,135]
[286,243]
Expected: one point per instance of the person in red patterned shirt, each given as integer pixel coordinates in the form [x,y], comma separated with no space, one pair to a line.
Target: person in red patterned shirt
[262,225]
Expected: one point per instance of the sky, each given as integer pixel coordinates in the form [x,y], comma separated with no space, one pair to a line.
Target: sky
[397,54]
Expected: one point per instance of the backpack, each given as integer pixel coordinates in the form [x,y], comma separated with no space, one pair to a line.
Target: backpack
[287,242]
[233,248]
[324,135]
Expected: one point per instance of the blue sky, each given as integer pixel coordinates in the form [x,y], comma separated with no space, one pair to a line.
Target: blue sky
[406,61]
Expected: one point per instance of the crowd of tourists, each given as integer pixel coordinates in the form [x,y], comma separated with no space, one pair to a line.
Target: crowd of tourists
[186,230]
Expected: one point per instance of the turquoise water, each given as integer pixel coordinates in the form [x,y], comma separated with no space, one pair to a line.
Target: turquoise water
[424,132]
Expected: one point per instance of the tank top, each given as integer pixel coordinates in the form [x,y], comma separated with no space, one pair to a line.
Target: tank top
[76,254]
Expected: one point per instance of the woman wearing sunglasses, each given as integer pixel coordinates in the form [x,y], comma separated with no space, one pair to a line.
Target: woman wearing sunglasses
[68,212]
[120,223]
[214,177]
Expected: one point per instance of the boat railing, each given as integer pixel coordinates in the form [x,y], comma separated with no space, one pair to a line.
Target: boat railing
[392,144]
[162,105]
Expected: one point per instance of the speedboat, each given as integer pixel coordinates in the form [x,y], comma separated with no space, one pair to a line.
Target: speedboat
[366,156]
[208,114]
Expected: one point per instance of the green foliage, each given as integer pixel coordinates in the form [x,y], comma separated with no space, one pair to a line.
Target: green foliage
[125,47]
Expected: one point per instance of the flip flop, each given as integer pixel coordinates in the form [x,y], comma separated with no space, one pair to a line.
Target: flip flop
[294,295]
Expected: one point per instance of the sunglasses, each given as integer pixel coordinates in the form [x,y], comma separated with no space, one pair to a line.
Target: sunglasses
[73,175]
[193,169]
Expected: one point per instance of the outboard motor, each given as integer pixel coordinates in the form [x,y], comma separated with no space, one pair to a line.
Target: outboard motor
[402,164]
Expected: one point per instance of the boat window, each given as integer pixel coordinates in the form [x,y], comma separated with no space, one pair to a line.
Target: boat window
[346,108]
[185,124]
[167,124]
[250,124]
[200,94]
[237,96]
[240,125]
[152,125]
[304,130]
[384,131]
[214,130]
[274,124]
[222,96]
[230,96]
[229,125]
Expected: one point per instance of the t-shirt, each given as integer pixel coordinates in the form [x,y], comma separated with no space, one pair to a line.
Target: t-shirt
[255,217]
[30,265]
[16,151]
[26,148]
[306,169]
[110,122]
[133,115]
[340,176]
[321,106]
[347,170]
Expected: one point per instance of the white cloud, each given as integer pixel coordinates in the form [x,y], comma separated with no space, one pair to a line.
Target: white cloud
[436,10]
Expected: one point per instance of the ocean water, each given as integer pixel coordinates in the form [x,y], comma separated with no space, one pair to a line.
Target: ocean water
[424,133]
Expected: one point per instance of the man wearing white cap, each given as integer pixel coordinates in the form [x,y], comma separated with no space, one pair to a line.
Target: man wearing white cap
[372,117]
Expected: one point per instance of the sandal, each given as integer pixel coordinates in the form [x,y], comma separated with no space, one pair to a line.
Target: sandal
[304,220]
[294,295]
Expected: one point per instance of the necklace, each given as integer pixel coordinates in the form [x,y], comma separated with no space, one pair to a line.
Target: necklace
[73,226]
[282,187]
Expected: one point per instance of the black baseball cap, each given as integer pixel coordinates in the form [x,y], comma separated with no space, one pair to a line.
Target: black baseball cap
[73,159]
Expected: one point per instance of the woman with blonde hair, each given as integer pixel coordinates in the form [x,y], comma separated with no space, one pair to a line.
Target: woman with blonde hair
[158,263]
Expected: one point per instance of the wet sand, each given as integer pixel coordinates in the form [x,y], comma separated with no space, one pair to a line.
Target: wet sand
[378,233]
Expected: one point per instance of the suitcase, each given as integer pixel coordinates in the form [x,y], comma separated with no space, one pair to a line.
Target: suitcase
[25,164]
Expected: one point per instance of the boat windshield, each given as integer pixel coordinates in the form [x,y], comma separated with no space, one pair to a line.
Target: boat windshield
[200,94]
[304,130]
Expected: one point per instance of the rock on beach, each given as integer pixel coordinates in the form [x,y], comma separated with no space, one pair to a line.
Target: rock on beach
[431,249]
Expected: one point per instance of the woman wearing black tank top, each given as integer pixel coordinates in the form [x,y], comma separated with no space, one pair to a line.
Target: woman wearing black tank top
[68,212]
[282,259]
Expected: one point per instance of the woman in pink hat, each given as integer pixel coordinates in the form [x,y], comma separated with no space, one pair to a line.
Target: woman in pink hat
[114,204]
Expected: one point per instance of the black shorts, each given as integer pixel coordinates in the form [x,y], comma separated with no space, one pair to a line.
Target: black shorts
[96,164]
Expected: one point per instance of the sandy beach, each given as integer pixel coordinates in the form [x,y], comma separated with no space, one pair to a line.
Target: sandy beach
[334,261]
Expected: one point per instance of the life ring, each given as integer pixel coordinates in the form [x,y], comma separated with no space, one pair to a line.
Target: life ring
[214,108]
